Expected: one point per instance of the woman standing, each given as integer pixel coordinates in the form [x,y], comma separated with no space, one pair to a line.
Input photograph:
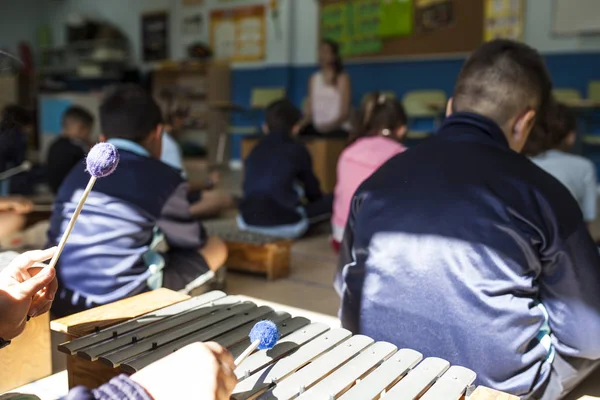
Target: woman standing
[327,110]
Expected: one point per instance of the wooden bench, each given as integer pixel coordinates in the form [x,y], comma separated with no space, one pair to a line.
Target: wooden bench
[251,252]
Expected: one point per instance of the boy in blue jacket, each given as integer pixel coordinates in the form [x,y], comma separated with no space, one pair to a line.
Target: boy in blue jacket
[464,249]
[136,232]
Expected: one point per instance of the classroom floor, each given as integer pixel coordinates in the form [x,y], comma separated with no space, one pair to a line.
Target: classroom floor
[308,291]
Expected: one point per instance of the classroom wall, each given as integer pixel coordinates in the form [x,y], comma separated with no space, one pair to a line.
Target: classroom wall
[291,56]
[18,22]
[125,14]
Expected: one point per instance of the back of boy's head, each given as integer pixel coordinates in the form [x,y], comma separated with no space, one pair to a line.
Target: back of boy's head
[15,117]
[77,115]
[551,131]
[502,79]
[282,116]
[129,112]
[379,112]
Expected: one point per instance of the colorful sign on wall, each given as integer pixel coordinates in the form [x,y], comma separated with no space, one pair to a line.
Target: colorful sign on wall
[239,34]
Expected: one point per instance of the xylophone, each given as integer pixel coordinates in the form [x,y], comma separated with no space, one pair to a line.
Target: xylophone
[253,252]
[310,361]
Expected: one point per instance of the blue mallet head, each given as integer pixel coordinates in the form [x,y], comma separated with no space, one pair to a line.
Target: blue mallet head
[266,332]
[102,160]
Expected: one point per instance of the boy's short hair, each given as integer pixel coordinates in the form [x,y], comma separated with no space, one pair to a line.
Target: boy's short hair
[79,115]
[501,79]
[129,112]
[281,116]
[551,132]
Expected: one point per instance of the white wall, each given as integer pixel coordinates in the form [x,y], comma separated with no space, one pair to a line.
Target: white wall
[538,31]
[125,14]
[278,36]
[18,22]
[306,32]
[297,44]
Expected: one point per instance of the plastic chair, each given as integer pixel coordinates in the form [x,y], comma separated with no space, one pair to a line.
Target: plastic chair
[594,90]
[566,94]
[421,104]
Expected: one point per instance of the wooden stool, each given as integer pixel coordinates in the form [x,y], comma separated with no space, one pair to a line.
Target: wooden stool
[252,252]
[87,373]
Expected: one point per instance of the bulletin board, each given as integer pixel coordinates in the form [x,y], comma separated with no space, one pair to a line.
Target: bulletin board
[239,34]
[391,28]
[504,19]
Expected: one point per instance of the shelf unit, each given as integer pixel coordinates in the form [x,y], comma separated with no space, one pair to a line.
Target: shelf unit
[199,85]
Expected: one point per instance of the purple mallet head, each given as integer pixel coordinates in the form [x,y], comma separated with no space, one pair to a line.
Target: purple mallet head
[266,332]
[102,160]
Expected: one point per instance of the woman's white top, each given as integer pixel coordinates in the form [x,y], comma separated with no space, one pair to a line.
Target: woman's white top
[326,101]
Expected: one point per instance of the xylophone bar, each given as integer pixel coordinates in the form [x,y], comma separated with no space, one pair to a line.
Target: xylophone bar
[451,385]
[74,346]
[239,335]
[120,355]
[92,353]
[384,377]
[268,376]
[309,362]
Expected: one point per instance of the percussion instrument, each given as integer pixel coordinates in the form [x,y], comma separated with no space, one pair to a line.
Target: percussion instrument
[253,252]
[310,361]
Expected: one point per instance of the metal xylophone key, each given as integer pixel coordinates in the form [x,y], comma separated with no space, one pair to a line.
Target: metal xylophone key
[124,327]
[237,336]
[311,361]
[217,310]
[210,324]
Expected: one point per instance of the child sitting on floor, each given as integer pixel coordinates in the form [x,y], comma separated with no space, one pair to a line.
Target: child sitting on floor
[549,145]
[278,177]
[135,233]
[69,150]
[379,131]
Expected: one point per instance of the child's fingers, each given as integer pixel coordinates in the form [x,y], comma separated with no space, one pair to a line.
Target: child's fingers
[36,283]
[27,259]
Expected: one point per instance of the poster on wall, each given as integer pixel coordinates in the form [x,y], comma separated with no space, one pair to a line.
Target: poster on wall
[355,25]
[192,24]
[395,18]
[239,34]
[432,15]
[155,36]
[504,19]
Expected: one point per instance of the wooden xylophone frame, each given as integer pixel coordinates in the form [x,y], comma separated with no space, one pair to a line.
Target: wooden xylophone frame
[311,361]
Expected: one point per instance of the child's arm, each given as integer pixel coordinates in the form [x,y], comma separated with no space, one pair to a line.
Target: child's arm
[570,292]
[312,187]
[181,230]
